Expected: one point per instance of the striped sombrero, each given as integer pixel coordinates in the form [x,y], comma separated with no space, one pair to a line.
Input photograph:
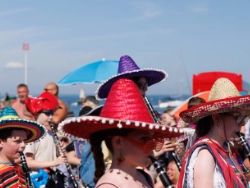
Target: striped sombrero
[10,119]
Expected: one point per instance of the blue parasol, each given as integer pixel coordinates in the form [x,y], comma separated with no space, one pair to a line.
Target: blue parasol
[96,72]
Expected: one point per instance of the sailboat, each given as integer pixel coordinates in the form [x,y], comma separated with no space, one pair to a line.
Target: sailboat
[81,98]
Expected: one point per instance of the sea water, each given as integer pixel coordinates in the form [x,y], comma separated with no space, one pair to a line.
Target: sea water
[71,100]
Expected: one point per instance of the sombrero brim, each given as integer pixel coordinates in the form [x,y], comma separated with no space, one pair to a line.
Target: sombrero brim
[94,112]
[152,75]
[84,126]
[36,130]
[194,114]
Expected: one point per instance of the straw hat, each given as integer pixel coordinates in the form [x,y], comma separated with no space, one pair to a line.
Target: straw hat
[10,119]
[223,97]
[127,68]
[123,109]
[45,101]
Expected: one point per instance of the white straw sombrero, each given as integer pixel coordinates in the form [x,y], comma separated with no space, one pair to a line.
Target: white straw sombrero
[223,97]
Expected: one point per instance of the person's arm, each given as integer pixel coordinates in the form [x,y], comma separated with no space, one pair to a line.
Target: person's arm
[60,114]
[72,159]
[34,164]
[168,146]
[204,170]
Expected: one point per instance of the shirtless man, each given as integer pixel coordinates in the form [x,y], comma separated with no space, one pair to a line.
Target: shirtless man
[61,113]
[19,105]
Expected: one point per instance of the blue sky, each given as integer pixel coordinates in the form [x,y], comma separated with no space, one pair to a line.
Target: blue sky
[170,35]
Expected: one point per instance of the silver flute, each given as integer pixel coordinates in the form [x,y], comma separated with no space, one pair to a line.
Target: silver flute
[157,120]
[63,154]
[26,170]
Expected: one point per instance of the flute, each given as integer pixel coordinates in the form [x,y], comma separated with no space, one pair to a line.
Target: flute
[63,154]
[26,170]
[162,174]
[157,120]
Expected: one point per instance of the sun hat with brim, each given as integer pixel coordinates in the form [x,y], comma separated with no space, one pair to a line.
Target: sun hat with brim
[223,97]
[45,101]
[10,119]
[123,109]
[127,68]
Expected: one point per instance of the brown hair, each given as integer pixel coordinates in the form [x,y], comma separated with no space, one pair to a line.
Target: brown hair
[22,85]
[7,133]
[96,140]
[195,101]
[204,126]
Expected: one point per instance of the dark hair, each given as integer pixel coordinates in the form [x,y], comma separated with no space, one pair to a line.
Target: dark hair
[195,101]
[96,140]
[204,126]
[22,85]
[7,133]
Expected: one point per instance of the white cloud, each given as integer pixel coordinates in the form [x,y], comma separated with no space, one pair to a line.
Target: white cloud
[12,12]
[14,65]
[147,10]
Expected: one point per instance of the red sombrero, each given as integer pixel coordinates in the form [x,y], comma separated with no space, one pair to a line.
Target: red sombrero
[223,97]
[123,109]
[10,119]
[45,101]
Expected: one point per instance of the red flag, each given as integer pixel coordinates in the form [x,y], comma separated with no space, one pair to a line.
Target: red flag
[25,46]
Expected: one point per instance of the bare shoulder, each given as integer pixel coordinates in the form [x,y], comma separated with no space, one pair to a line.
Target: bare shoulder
[61,103]
[204,169]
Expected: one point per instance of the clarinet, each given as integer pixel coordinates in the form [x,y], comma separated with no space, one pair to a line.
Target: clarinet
[246,148]
[157,120]
[63,154]
[26,170]
[162,174]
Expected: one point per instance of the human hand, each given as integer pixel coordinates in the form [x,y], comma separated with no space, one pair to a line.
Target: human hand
[167,146]
[60,160]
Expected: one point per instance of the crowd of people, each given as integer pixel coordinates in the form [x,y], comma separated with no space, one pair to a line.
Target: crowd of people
[118,143]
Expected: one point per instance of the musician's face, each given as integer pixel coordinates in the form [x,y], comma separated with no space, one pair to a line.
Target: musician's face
[233,121]
[133,153]
[11,147]
[44,118]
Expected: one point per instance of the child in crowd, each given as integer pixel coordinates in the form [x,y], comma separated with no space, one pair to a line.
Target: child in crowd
[14,133]
[43,154]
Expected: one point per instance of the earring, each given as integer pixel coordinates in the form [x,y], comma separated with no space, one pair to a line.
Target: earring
[120,159]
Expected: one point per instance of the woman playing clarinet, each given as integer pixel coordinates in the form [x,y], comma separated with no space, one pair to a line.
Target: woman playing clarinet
[211,161]
[129,131]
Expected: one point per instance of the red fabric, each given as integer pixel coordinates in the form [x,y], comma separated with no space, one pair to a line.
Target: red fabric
[226,169]
[45,101]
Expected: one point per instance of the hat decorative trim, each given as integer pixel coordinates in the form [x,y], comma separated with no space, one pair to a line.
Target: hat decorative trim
[103,89]
[128,69]
[102,123]
[10,119]
[224,98]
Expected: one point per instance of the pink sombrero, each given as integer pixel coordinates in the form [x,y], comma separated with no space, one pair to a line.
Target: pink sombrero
[223,97]
[123,109]
[10,119]
[127,68]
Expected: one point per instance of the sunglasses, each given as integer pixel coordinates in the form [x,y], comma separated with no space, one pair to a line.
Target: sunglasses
[48,112]
[142,85]
[47,89]
[154,144]
[239,119]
